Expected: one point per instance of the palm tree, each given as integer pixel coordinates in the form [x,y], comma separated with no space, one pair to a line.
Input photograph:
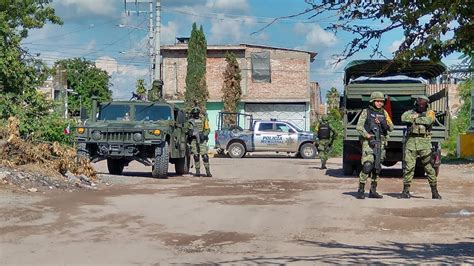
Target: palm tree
[332,97]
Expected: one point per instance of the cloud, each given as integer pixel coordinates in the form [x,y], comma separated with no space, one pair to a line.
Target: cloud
[229,5]
[394,46]
[107,63]
[315,36]
[81,8]
[169,32]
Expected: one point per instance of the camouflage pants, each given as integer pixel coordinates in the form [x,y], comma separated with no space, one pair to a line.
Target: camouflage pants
[368,156]
[418,146]
[323,149]
[200,149]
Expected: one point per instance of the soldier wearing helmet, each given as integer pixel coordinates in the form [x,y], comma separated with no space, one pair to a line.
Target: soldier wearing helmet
[326,136]
[419,121]
[374,117]
[199,135]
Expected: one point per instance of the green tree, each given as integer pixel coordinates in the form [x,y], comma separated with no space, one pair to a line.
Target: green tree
[140,89]
[333,98]
[87,80]
[231,90]
[196,89]
[19,71]
[432,29]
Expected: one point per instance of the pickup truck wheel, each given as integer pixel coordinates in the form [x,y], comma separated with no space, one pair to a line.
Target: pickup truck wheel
[236,150]
[160,165]
[308,151]
[182,165]
[82,152]
[115,166]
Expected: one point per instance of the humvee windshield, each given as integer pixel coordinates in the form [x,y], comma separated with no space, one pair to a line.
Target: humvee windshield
[152,112]
[114,112]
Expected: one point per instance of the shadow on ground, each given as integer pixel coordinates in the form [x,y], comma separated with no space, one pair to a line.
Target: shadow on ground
[387,252]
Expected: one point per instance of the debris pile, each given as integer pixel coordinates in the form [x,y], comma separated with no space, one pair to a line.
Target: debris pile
[48,164]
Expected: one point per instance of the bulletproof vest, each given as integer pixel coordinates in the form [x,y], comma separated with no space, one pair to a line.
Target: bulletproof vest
[420,129]
[198,124]
[370,121]
[323,131]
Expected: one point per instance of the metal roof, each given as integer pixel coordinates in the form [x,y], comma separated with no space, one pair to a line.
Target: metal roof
[386,68]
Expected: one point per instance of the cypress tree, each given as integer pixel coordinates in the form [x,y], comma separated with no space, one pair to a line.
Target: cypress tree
[231,90]
[196,89]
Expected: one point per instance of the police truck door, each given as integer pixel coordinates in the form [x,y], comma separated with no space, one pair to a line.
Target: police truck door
[266,138]
[289,135]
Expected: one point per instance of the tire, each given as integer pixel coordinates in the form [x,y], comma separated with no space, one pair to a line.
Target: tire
[236,150]
[160,165]
[82,152]
[308,151]
[115,166]
[182,165]
[347,169]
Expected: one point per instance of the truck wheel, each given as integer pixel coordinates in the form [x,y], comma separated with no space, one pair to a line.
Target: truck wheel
[347,168]
[115,166]
[236,150]
[160,165]
[82,152]
[182,165]
[308,151]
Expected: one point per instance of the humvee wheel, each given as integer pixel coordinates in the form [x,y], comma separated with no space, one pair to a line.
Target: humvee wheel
[115,166]
[182,165]
[308,151]
[160,165]
[236,150]
[347,168]
[82,153]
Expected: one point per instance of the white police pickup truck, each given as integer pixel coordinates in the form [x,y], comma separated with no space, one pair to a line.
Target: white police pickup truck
[262,136]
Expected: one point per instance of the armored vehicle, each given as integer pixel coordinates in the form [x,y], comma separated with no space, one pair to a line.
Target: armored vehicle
[401,85]
[248,135]
[152,133]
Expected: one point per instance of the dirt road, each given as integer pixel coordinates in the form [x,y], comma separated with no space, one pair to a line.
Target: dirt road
[254,210]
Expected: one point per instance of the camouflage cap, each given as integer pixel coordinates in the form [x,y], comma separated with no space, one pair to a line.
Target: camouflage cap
[377,96]
[195,110]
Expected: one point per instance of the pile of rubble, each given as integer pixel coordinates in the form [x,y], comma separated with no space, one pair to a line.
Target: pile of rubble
[28,164]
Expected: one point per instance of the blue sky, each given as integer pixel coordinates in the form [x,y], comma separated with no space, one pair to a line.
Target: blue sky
[91,31]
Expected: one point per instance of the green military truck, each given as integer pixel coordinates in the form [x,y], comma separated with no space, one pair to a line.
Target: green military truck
[152,133]
[401,84]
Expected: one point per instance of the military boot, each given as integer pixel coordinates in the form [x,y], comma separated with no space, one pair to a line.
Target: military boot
[360,192]
[373,191]
[406,192]
[208,172]
[323,165]
[434,192]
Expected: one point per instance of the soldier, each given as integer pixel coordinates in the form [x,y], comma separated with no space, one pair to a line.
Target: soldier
[418,143]
[374,117]
[326,136]
[199,133]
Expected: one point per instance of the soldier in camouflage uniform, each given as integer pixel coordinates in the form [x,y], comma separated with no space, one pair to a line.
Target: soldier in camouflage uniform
[418,143]
[199,135]
[374,116]
[326,136]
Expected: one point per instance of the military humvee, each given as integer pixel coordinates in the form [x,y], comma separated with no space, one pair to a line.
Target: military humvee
[401,85]
[152,133]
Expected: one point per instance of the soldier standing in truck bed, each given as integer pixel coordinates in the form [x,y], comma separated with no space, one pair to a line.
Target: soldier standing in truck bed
[374,116]
[199,134]
[420,121]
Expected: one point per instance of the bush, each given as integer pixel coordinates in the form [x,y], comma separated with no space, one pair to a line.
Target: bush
[37,120]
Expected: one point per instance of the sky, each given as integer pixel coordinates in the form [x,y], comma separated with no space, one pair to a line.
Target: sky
[91,30]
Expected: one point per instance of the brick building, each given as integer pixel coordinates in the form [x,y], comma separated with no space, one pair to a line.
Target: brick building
[275,81]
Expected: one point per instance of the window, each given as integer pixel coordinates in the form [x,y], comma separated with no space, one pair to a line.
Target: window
[280,127]
[266,127]
[152,112]
[114,112]
[261,67]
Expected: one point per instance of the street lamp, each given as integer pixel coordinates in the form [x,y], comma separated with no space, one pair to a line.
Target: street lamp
[131,27]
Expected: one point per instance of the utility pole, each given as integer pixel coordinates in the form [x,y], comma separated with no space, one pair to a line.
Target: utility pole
[153,9]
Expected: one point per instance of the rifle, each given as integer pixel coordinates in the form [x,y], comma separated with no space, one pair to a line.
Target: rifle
[404,143]
[377,150]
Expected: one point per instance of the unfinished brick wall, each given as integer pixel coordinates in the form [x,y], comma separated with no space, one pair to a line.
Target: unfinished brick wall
[289,74]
